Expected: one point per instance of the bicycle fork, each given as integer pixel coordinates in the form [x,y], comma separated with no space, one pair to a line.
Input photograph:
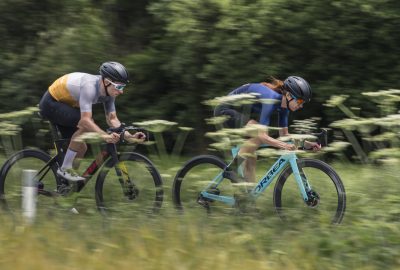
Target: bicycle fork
[301,179]
[128,187]
[310,196]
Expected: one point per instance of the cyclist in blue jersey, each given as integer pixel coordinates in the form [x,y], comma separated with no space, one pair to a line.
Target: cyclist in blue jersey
[68,104]
[283,97]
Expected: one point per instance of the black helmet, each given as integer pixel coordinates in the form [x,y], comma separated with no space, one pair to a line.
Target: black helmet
[298,87]
[115,71]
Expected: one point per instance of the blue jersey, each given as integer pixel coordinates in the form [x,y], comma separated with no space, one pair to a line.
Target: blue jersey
[265,110]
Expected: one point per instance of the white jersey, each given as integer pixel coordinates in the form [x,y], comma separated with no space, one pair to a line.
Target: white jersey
[81,90]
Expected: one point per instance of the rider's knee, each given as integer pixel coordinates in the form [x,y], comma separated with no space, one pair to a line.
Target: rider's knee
[78,147]
[256,141]
[83,124]
[83,148]
[252,122]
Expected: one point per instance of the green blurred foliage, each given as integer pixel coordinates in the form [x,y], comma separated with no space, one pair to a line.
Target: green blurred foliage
[181,53]
[368,238]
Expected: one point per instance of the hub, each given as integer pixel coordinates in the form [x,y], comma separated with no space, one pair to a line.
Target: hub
[313,199]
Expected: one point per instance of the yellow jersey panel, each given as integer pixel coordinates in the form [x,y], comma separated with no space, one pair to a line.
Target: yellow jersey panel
[59,91]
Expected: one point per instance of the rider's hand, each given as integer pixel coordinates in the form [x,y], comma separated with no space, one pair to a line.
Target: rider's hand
[111,138]
[290,147]
[312,145]
[138,137]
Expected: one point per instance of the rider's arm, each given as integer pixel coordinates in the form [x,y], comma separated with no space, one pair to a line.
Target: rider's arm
[112,120]
[86,123]
[86,99]
[312,145]
[266,139]
[266,112]
[284,132]
[307,145]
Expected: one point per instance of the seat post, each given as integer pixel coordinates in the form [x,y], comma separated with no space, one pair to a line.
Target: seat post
[55,132]
[59,142]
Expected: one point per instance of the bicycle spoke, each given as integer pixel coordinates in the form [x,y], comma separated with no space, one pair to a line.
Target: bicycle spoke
[196,176]
[137,188]
[11,181]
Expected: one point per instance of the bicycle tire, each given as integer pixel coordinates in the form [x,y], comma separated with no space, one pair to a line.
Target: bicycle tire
[150,187]
[11,172]
[186,172]
[337,198]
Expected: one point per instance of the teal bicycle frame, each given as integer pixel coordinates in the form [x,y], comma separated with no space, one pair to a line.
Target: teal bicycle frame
[265,181]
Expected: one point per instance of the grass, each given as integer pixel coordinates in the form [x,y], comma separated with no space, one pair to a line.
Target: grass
[368,238]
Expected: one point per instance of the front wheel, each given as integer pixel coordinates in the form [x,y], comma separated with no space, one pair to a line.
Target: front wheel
[327,201]
[132,188]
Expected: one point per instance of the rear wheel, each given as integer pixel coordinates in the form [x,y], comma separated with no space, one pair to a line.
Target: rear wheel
[138,191]
[194,177]
[11,180]
[327,196]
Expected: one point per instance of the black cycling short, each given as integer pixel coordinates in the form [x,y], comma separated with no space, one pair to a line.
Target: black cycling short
[65,117]
[235,120]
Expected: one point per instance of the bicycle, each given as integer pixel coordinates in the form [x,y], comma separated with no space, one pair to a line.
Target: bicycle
[322,191]
[135,183]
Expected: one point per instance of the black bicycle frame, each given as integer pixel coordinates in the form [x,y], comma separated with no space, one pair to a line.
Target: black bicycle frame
[110,150]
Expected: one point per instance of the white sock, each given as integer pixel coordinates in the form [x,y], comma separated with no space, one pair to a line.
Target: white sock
[68,159]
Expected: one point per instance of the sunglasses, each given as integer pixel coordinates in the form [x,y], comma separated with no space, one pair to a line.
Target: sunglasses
[118,86]
[299,101]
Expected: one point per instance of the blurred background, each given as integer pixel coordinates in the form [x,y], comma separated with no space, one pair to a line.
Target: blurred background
[181,52]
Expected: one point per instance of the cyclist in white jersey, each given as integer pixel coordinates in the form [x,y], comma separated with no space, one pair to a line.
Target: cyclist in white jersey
[68,104]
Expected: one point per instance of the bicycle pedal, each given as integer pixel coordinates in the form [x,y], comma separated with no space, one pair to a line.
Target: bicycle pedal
[203,202]
[243,202]
[64,190]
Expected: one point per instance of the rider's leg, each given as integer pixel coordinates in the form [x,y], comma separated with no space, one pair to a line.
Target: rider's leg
[76,151]
[249,169]
[247,152]
[246,159]
[233,121]
[79,156]
[77,162]
[66,118]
